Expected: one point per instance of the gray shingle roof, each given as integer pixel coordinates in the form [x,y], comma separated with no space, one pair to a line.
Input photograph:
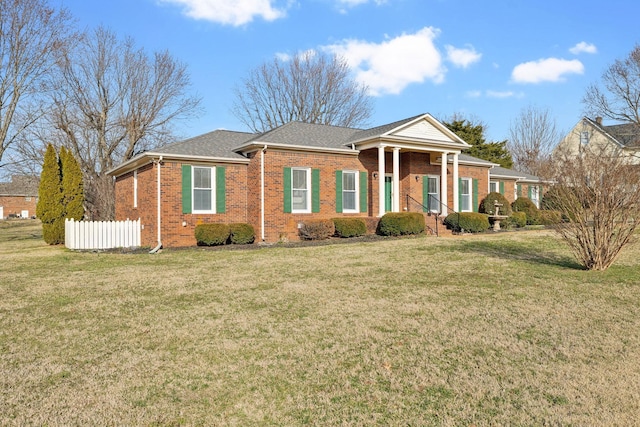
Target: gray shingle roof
[500,171]
[219,143]
[308,135]
[20,185]
[380,130]
[627,134]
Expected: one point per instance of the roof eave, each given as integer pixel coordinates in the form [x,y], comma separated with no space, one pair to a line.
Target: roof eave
[148,157]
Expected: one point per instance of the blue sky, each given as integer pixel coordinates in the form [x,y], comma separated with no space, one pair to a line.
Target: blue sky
[484,59]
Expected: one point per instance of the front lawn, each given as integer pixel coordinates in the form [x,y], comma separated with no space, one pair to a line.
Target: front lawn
[497,329]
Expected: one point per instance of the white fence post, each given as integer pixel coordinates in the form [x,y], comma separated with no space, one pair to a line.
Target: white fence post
[101,234]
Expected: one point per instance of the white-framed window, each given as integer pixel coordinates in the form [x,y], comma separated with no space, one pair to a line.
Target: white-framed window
[534,190]
[433,193]
[203,183]
[350,191]
[584,137]
[135,188]
[300,190]
[494,187]
[465,194]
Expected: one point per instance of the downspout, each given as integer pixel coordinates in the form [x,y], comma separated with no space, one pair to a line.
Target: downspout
[264,150]
[157,248]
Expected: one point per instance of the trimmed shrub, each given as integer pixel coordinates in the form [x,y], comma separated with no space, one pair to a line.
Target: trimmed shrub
[317,229]
[524,204]
[349,227]
[212,234]
[471,222]
[49,208]
[549,217]
[488,204]
[72,185]
[401,223]
[517,219]
[242,233]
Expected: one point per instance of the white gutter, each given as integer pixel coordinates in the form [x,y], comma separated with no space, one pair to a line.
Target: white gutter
[264,150]
[157,248]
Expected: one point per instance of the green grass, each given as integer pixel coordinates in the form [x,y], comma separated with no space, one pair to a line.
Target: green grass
[501,329]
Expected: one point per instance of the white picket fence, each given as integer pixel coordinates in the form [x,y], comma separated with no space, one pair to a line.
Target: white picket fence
[101,234]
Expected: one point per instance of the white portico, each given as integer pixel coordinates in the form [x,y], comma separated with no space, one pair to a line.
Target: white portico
[421,134]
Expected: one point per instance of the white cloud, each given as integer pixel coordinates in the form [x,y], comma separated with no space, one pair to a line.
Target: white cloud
[502,94]
[353,3]
[389,67]
[462,57]
[583,47]
[546,70]
[474,94]
[230,12]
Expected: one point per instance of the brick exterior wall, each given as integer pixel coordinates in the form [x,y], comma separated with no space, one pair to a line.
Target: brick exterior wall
[14,205]
[243,191]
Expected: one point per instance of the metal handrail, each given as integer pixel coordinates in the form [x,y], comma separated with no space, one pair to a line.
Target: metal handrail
[426,208]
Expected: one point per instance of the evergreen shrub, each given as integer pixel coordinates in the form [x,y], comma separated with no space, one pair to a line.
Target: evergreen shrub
[350,227]
[517,219]
[488,204]
[524,204]
[549,217]
[401,223]
[470,222]
[212,234]
[242,233]
[317,229]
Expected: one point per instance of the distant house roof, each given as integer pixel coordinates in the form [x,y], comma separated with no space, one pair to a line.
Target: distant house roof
[20,185]
[626,135]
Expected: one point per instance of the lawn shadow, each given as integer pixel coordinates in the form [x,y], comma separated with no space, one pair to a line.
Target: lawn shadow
[512,250]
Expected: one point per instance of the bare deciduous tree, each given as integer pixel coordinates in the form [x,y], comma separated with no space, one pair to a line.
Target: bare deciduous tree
[32,36]
[310,87]
[533,136]
[113,101]
[618,98]
[597,192]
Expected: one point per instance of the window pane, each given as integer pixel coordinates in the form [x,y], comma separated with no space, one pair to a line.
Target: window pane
[349,181]
[299,179]
[466,205]
[299,199]
[202,177]
[464,188]
[349,200]
[201,200]
[433,185]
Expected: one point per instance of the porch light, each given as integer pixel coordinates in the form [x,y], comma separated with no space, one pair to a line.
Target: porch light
[375,175]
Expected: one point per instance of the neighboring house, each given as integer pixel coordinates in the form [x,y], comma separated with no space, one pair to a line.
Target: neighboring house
[18,198]
[297,172]
[587,132]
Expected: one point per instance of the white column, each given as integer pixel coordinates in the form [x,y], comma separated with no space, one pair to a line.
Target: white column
[443,184]
[396,180]
[455,183]
[381,209]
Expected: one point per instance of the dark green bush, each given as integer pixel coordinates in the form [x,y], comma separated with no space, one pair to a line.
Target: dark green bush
[470,222]
[242,233]
[350,227]
[549,217]
[401,223]
[212,234]
[517,219]
[524,204]
[488,204]
[317,229]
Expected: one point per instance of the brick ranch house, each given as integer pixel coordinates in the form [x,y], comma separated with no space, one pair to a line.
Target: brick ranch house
[299,171]
[18,198]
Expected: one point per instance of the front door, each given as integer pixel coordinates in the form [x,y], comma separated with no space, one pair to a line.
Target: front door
[388,194]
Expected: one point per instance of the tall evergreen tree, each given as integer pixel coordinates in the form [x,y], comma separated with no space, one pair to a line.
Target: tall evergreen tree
[49,207]
[72,186]
[473,134]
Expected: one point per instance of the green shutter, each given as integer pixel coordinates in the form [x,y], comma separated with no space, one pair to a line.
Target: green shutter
[425,194]
[339,191]
[475,196]
[363,191]
[287,190]
[186,188]
[501,187]
[221,190]
[519,190]
[459,194]
[529,192]
[315,190]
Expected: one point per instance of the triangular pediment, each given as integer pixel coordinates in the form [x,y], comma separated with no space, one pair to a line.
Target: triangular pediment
[425,128]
